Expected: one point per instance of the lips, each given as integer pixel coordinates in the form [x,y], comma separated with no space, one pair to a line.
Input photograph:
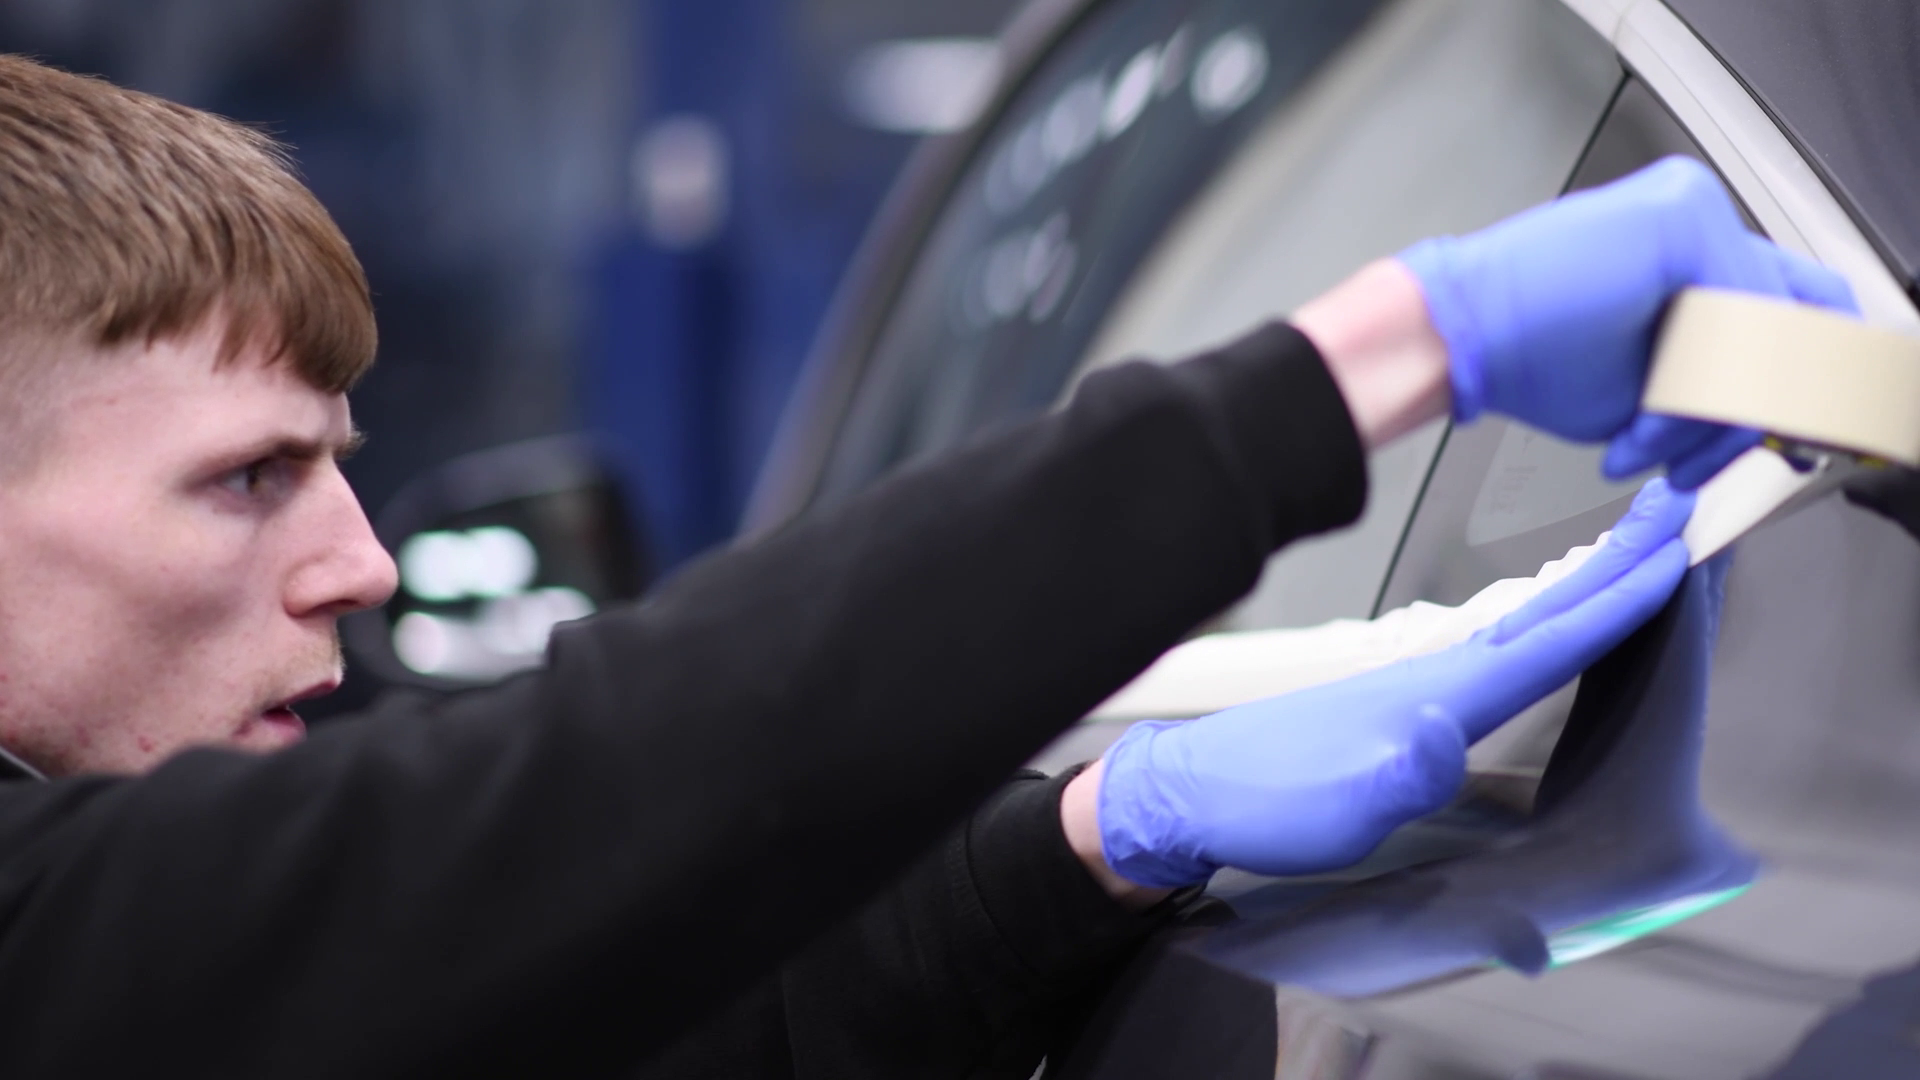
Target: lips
[279,717]
[282,721]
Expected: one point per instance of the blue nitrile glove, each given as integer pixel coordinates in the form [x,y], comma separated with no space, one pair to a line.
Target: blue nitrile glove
[1314,780]
[1550,317]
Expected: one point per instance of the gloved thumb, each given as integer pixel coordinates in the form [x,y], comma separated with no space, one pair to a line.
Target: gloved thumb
[1658,516]
[1426,774]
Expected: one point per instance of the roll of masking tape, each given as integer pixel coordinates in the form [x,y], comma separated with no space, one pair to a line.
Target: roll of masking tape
[1789,369]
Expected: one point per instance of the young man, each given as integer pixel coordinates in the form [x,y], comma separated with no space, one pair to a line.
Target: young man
[684,828]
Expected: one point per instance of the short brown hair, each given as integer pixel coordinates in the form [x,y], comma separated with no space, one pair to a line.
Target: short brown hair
[125,217]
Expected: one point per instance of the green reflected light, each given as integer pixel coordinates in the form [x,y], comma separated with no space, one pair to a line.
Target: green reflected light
[1603,935]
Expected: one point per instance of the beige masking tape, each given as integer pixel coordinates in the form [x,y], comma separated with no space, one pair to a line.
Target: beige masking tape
[1791,370]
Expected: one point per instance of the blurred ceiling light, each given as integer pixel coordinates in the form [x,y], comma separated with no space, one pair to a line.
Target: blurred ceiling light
[507,634]
[443,566]
[1131,92]
[1093,108]
[1172,68]
[1029,271]
[1229,73]
[922,86]
[1072,124]
[680,180]
[424,642]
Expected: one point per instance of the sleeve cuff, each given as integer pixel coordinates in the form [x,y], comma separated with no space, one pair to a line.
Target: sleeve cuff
[1043,904]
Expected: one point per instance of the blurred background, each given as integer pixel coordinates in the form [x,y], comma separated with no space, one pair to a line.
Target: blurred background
[600,235]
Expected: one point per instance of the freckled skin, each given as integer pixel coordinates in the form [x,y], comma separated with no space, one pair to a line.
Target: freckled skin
[156,593]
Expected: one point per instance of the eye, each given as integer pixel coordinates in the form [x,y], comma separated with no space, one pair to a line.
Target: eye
[253,479]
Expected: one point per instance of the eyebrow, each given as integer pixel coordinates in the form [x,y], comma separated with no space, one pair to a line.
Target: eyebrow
[294,449]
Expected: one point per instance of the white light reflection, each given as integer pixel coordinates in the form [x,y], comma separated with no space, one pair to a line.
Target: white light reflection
[445,566]
[507,635]
[1174,57]
[1072,125]
[922,85]
[1093,109]
[1132,92]
[1230,72]
[681,176]
[1028,271]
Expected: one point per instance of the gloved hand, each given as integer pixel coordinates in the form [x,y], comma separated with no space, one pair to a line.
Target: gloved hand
[1314,780]
[1549,317]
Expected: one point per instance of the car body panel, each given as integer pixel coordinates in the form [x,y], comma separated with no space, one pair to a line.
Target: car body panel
[1842,78]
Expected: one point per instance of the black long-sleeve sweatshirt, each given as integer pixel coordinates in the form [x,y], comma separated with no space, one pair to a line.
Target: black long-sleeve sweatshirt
[571,871]
[980,962]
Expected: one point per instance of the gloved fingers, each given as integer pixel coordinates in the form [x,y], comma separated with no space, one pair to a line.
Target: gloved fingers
[1657,516]
[1688,190]
[1144,833]
[1550,653]
[1692,450]
[1811,283]
[1705,241]
[1689,471]
[1695,450]
[1651,440]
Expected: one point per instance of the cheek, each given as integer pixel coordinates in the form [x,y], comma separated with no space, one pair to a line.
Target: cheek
[191,571]
[187,605]
[94,618]
[160,554]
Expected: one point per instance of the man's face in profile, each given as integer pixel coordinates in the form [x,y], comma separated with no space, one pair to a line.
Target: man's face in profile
[174,556]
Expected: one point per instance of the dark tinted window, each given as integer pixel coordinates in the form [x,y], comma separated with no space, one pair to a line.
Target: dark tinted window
[1439,117]
[1171,177]
[1107,140]
[1843,78]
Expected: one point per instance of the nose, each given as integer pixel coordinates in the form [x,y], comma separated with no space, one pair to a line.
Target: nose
[347,569]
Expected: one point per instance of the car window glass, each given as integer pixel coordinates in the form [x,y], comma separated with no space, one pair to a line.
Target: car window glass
[1503,499]
[1441,117]
[1113,132]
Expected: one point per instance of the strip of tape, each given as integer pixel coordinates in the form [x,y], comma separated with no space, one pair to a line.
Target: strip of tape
[1789,369]
[1760,485]
[1219,671]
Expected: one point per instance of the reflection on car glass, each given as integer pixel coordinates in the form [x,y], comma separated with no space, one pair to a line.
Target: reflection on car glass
[1440,116]
[1107,139]
[1537,480]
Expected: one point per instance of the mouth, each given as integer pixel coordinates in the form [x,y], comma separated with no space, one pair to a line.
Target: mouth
[280,718]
